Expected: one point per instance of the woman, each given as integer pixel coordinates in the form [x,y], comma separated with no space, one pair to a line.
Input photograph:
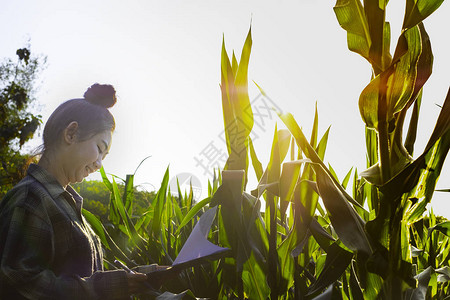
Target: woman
[47,249]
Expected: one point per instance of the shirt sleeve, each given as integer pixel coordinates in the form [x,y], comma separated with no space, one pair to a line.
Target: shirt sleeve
[26,261]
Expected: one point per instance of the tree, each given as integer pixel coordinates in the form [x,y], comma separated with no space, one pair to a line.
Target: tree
[17,123]
[96,198]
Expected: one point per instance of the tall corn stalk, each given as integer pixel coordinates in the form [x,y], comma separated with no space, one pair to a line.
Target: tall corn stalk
[399,187]
[377,244]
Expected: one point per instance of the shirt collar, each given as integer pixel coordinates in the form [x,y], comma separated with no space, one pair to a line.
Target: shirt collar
[50,183]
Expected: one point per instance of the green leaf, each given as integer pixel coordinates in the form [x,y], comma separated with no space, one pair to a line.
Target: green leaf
[315,129]
[128,195]
[416,212]
[412,128]
[320,149]
[350,15]
[427,166]
[280,148]
[419,10]
[443,274]
[379,34]
[237,112]
[288,180]
[120,207]
[188,217]
[399,84]
[105,238]
[347,178]
[254,279]
[170,296]
[323,238]
[302,143]
[402,81]
[420,292]
[257,166]
[105,179]
[336,263]
[347,223]
[234,65]
[229,197]
[130,229]
[159,203]
[355,288]
[443,227]
[97,226]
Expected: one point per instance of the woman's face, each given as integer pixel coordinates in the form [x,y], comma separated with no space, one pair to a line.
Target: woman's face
[84,157]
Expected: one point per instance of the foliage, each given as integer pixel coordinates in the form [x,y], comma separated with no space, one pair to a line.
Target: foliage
[313,240]
[96,197]
[155,235]
[397,187]
[17,123]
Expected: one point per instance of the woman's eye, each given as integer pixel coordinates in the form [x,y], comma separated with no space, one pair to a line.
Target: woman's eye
[99,150]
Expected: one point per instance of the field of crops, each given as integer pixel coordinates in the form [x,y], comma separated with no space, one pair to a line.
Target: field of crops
[303,233]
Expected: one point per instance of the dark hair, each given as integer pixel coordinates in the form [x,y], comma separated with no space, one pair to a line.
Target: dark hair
[91,113]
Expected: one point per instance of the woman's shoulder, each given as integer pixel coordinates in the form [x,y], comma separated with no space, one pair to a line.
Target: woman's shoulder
[28,194]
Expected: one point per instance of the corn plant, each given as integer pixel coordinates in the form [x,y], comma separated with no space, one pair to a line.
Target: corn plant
[398,187]
[274,253]
[369,251]
[156,236]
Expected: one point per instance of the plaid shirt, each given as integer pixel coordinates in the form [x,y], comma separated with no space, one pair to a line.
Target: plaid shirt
[47,249]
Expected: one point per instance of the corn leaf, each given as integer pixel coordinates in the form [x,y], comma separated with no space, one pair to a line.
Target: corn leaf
[128,195]
[105,238]
[355,287]
[254,279]
[302,143]
[320,149]
[315,129]
[347,223]
[188,217]
[257,166]
[401,82]
[238,116]
[418,10]
[336,263]
[429,163]
[379,35]
[97,226]
[288,180]
[412,128]
[322,237]
[234,65]
[130,230]
[350,15]
[421,291]
[443,227]
[105,179]
[158,205]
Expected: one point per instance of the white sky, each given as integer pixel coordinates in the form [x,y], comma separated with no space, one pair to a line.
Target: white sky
[163,57]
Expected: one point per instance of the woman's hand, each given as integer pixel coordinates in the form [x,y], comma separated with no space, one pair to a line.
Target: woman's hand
[137,283]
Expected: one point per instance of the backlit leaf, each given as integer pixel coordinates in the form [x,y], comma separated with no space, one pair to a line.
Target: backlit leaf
[418,10]
[350,15]
[336,263]
[188,217]
[346,222]
[159,203]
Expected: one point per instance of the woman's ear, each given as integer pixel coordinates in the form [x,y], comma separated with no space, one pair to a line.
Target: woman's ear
[70,133]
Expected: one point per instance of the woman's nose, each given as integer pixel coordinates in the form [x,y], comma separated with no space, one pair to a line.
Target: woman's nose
[98,163]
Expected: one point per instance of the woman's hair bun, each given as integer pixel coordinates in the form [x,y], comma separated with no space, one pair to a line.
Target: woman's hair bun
[101,94]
